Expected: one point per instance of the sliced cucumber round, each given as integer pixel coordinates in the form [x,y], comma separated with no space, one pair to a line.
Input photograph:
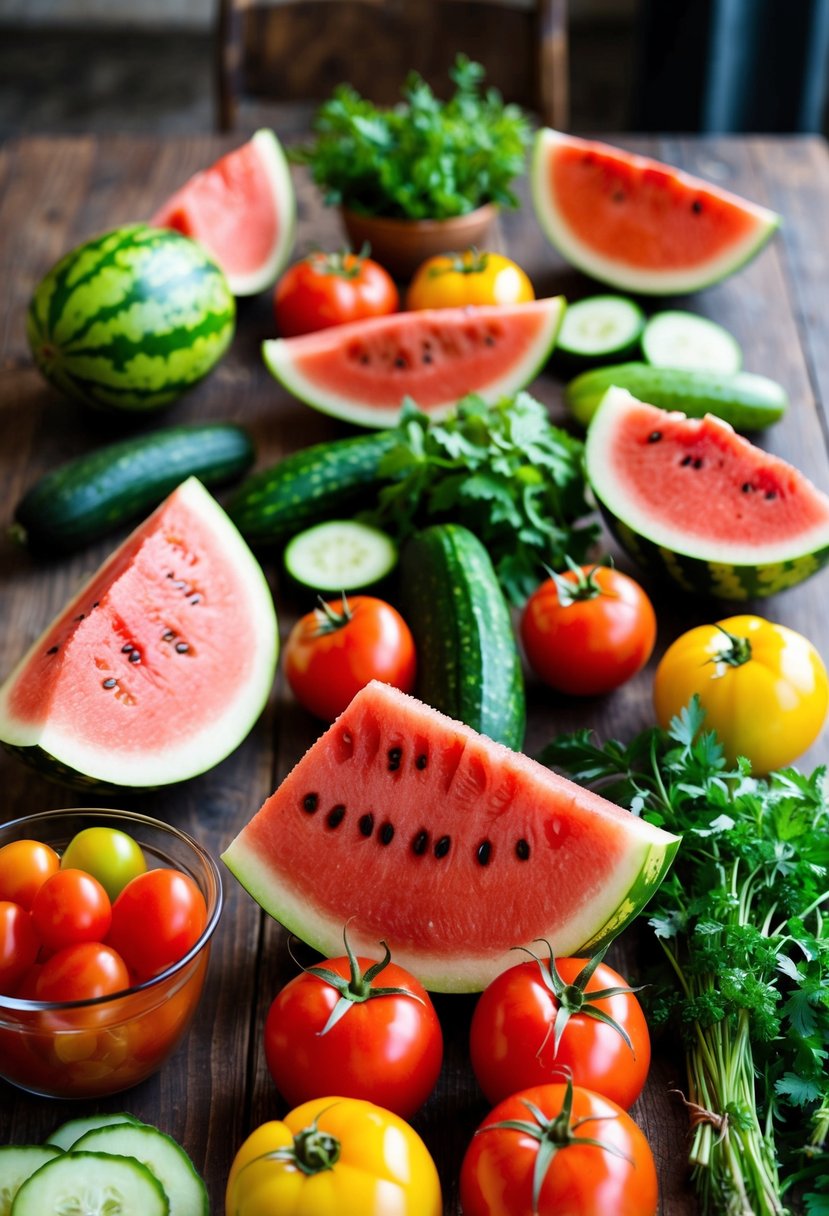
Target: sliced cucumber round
[17,1163]
[93,1183]
[690,342]
[161,1154]
[600,327]
[70,1132]
[342,555]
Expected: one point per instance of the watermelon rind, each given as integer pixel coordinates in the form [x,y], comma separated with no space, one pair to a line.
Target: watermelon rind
[727,570]
[623,274]
[276,167]
[377,886]
[60,755]
[288,359]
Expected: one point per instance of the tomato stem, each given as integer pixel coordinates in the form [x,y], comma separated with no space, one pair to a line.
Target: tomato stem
[736,653]
[470,261]
[328,619]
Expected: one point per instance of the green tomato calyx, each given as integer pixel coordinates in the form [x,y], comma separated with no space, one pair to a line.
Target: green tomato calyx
[359,985]
[471,261]
[311,1152]
[736,653]
[582,586]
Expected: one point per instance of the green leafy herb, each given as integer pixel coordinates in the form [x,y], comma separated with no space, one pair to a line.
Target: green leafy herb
[746,976]
[503,471]
[424,158]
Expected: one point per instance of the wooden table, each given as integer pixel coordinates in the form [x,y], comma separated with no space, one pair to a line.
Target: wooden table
[55,193]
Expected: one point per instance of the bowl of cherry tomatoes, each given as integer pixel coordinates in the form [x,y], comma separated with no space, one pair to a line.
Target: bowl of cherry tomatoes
[105,924]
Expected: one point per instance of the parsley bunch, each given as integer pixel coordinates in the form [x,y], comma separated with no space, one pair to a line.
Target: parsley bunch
[424,158]
[742,926]
[503,471]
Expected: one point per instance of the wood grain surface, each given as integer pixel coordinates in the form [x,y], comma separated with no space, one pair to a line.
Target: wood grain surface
[55,193]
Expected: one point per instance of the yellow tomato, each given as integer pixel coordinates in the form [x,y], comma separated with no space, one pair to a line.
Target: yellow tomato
[474,276]
[334,1157]
[764,688]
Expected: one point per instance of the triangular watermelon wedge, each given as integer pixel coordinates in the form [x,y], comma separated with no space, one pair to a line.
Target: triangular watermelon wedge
[638,224]
[242,210]
[420,832]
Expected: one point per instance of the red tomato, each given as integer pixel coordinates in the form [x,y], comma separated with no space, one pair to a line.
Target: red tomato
[512,1039]
[24,867]
[334,651]
[581,1178]
[79,973]
[19,944]
[71,907]
[588,630]
[328,289]
[385,1045]
[158,917]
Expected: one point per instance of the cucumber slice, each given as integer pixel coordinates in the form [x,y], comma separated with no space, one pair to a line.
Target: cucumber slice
[68,1133]
[341,555]
[17,1163]
[600,327]
[93,1184]
[161,1154]
[693,343]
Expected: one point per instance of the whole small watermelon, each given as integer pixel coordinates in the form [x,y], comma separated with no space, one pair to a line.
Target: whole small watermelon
[131,319]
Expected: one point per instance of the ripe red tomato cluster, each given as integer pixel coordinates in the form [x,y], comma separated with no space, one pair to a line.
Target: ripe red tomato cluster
[93,921]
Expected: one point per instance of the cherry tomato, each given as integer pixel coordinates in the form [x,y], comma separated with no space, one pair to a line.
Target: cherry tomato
[19,944]
[334,651]
[81,972]
[24,867]
[328,289]
[588,630]
[107,854]
[512,1040]
[71,907]
[763,687]
[581,1178]
[367,1029]
[158,917]
[450,280]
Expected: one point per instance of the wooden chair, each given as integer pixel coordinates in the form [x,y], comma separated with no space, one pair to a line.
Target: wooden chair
[299,50]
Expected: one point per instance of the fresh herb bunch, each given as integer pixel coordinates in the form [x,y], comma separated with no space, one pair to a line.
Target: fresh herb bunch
[746,947]
[424,158]
[503,471]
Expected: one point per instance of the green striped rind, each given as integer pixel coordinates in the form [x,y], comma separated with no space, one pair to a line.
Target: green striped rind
[131,320]
[316,484]
[655,865]
[42,762]
[467,659]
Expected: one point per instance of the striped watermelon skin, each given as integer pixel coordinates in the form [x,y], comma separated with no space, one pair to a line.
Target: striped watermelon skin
[131,319]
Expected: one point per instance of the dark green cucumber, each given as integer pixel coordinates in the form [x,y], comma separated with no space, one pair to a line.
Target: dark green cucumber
[467,659]
[91,496]
[326,481]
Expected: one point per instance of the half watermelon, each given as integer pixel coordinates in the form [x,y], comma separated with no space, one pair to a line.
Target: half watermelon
[242,211]
[690,498]
[362,371]
[159,666]
[418,831]
[637,223]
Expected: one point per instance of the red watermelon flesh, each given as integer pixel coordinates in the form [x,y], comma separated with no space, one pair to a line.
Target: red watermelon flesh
[241,210]
[363,370]
[453,849]
[159,666]
[639,224]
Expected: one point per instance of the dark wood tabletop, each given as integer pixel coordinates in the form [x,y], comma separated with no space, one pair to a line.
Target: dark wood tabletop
[57,192]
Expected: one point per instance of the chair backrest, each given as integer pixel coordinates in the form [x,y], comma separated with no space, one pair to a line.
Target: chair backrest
[292,50]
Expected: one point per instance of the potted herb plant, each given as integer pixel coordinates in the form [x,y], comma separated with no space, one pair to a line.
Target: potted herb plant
[424,176]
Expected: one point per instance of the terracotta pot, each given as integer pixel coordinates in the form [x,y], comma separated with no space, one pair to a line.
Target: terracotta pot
[401,245]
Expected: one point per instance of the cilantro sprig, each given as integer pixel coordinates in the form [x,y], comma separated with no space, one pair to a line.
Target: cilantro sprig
[424,158]
[742,924]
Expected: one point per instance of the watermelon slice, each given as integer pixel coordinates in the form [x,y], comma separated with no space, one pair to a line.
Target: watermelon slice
[638,224]
[159,666]
[242,211]
[363,370]
[691,498]
[421,832]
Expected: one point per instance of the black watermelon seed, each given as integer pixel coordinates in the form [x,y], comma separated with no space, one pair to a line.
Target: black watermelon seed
[127,647]
[135,656]
[335,816]
[395,756]
[95,605]
[400,361]
[420,843]
[366,824]
[182,647]
[110,683]
[443,846]
[53,650]
[696,206]
[654,437]
[522,849]
[484,853]
[489,340]
[421,761]
[195,599]
[386,833]
[180,583]
[746,487]
[685,461]
[364,359]
[698,462]
[80,617]
[618,196]
[168,636]
[426,357]
[310,803]
[171,574]
[771,494]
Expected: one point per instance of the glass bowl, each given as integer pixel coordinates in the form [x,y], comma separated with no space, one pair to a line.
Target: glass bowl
[81,1049]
